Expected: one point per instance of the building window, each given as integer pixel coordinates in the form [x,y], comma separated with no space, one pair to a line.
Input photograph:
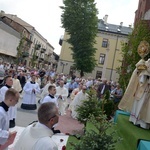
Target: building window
[34,41]
[98,74]
[102,59]
[105,43]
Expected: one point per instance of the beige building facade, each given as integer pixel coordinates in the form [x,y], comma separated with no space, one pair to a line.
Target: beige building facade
[108,55]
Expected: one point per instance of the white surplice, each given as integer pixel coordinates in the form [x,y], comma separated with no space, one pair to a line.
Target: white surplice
[78,99]
[62,102]
[12,112]
[50,98]
[45,90]
[29,96]
[4,126]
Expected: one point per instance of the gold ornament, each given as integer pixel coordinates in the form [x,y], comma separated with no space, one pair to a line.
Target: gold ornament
[143,49]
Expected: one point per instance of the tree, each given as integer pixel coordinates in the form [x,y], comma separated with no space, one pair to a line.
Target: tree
[129,52]
[81,23]
[20,50]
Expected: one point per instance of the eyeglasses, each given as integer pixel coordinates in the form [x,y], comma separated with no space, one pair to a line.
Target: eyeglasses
[52,117]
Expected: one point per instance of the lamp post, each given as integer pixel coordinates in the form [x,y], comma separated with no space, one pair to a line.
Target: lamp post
[105,63]
[63,65]
[114,58]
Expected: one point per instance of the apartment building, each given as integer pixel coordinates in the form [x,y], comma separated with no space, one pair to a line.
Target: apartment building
[108,55]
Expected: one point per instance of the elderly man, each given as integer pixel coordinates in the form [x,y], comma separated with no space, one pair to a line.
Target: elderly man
[38,136]
[61,94]
[102,88]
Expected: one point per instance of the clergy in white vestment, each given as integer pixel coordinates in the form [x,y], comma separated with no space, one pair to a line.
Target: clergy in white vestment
[140,112]
[79,98]
[16,84]
[62,94]
[11,98]
[12,112]
[39,136]
[45,91]
[31,89]
[51,97]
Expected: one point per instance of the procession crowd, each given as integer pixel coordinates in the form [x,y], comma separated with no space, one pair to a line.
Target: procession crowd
[50,86]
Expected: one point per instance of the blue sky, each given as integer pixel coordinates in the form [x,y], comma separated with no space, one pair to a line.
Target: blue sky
[45,15]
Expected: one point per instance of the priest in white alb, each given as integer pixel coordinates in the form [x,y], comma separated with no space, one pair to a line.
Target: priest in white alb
[77,102]
[62,94]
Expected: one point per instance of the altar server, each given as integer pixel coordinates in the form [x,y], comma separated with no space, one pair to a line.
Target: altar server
[8,81]
[31,89]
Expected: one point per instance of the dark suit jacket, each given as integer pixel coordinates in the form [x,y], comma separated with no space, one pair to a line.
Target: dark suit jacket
[100,88]
[22,80]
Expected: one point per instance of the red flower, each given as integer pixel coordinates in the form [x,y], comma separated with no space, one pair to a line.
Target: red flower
[63,148]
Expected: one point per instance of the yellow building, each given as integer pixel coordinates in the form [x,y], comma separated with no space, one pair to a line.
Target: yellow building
[108,45]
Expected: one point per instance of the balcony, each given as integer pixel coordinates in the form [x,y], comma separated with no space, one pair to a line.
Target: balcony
[43,50]
[25,54]
[41,59]
[37,46]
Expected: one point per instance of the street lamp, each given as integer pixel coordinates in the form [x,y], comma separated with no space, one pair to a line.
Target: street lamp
[63,65]
[114,57]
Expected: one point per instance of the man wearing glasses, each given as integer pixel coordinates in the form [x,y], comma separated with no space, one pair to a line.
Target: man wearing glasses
[38,136]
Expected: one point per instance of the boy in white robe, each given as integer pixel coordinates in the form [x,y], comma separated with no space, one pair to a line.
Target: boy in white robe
[51,97]
[12,112]
[45,91]
[11,99]
[31,89]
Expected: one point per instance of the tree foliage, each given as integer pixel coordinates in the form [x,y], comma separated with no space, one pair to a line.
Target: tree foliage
[91,106]
[20,50]
[97,137]
[129,52]
[79,18]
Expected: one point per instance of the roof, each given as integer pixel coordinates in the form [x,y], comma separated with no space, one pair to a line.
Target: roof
[112,28]
[20,21]
[8,29]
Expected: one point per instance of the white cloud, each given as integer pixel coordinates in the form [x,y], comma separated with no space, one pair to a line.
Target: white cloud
[45,15]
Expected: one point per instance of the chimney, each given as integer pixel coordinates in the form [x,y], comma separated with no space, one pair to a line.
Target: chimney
[105,19]
[130,25]
[2,13]
[13,17]
[121,23]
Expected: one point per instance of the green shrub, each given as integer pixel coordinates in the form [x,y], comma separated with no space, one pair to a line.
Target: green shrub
[96,137]
[91,106]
